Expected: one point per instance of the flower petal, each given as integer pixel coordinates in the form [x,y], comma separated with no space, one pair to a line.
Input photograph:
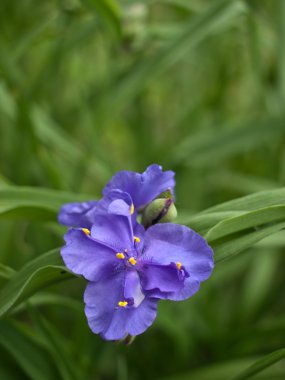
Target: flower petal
[108,319]
[88,258]
[145,187]
[101,299]
[191,286]
[113,230]
[119,203]
[76,214]
[172,243]
[161,279]
[132,288]
[139,318]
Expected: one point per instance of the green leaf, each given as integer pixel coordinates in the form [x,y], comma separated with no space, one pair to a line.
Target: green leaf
[6,272]
[203,222]
[34,203]
[235,245]
[247,220]
[58,347]
[198,29]
[210,146]
[109,10]
[252,202]
[239,214]
[281,50]
[43,271]
[261,364]
[240,182]
[31,358]
[44,299]
[51,135]
[224,371]
[274,241]
[256,288]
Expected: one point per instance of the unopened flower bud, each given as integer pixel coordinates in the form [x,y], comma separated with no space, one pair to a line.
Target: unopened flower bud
[160,210]
[127,340]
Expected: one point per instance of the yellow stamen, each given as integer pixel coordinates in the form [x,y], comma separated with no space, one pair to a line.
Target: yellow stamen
[123,303]
[179,265]
[120,255]
[86,231]
[132,261]
[132,210]
[137,239]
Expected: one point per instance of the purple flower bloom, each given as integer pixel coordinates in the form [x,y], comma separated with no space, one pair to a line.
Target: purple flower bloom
[145,187]
[130,269]
[140,189]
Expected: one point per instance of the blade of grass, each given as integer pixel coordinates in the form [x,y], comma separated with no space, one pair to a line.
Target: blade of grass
[261,365]
[250,219]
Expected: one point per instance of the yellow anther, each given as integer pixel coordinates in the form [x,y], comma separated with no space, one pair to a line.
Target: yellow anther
[86,231]
[123,303]
[120,255]
[132,261]
[132,209]
[137,239]
[179,265]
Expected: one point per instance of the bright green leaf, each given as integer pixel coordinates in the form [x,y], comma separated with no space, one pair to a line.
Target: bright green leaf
[252,219]
[43,271]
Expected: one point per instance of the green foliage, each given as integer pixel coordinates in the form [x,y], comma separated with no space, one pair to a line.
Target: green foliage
[90,87]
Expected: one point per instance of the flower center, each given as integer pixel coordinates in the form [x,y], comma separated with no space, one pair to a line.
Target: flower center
[128,259]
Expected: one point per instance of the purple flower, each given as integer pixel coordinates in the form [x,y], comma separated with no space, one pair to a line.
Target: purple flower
[140,189]
[145,187]
[130,269]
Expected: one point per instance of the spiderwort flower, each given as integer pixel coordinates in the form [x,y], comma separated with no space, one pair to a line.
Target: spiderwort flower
[142,189]
[145,187]
[130,269]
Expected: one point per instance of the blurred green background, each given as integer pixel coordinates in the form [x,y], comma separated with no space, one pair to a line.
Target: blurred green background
[90,87]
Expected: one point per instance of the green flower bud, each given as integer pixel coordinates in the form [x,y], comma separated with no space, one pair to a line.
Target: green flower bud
[166,194]
[127,340]
[160,210]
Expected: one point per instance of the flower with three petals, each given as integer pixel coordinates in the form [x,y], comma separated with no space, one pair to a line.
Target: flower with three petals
[129,269]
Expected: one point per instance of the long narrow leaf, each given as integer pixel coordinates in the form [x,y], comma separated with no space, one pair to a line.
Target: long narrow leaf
[34,203]
[261,364]
[43,271]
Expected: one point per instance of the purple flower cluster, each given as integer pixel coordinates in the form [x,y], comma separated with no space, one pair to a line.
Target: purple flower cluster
[129,269]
